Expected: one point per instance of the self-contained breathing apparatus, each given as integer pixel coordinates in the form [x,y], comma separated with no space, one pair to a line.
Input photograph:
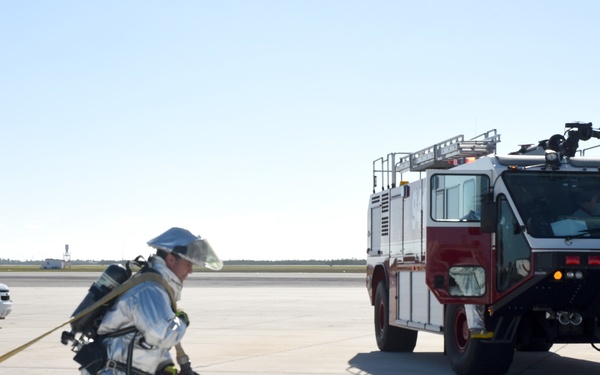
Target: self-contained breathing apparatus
[87,317]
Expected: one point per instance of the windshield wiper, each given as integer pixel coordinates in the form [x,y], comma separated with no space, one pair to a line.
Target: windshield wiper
[583,233]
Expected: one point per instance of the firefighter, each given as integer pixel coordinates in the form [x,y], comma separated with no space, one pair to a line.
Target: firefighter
[588,205]
[147,309]
[475,322]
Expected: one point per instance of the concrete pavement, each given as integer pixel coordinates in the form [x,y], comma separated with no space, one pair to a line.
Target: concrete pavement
[314,328]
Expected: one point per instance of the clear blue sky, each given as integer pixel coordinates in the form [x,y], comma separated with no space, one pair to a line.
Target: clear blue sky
[255,123]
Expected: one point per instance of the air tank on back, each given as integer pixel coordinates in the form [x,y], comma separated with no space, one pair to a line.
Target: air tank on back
[113,276]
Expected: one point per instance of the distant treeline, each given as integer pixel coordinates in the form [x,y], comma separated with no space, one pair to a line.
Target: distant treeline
[240,262]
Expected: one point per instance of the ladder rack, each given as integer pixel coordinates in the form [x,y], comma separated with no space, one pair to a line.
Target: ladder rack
[443,155]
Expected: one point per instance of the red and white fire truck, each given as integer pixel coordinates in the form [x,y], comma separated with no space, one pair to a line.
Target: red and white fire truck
[518,235]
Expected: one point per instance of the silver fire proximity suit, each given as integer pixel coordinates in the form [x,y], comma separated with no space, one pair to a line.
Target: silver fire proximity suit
[146,306]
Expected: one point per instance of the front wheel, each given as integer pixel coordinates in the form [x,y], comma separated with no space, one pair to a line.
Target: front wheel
[390,338]
[473,356]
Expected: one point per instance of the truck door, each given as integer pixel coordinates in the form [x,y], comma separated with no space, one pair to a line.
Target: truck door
[458,254]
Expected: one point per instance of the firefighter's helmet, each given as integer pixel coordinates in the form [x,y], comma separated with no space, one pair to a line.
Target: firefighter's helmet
[192,248]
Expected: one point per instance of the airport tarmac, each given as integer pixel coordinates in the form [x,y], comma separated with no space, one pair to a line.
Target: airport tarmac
[286,324]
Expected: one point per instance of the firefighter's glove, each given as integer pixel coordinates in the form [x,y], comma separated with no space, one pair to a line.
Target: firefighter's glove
[168,370]
[183,316]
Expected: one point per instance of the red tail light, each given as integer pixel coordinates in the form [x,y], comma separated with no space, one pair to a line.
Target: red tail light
[594,260]
[573,260]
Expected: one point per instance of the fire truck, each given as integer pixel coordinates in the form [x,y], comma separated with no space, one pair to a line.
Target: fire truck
[516,236]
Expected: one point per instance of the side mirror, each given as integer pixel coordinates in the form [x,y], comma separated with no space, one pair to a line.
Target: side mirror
[489,217]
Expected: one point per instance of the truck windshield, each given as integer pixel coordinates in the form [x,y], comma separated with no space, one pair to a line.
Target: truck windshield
[557,204]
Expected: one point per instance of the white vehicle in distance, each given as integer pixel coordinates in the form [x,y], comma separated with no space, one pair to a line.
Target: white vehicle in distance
[5,302]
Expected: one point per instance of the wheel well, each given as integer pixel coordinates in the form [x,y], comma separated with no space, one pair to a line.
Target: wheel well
[379,275]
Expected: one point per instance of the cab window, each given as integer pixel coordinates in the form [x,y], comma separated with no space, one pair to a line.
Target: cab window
[457,197]
[514,254]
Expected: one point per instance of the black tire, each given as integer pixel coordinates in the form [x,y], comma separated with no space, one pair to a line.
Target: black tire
[473,356]
[390,338]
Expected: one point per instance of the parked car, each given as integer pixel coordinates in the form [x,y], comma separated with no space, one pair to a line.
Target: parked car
[5,301]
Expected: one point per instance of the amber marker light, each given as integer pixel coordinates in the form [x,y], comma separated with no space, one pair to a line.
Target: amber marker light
[558,275]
